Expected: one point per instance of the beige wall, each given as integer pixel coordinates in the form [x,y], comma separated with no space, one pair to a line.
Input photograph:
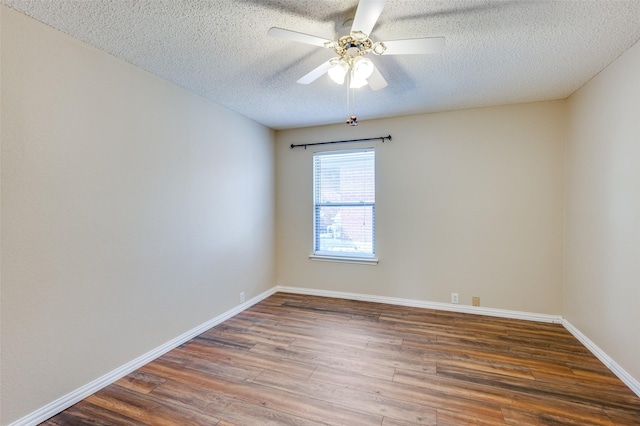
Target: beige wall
[132,211]
[602,279]
[468,202]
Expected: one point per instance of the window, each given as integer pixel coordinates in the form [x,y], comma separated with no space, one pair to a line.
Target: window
[344,204]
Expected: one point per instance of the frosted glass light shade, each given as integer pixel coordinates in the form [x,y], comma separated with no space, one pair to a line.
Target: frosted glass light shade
[338,71]
[362,68]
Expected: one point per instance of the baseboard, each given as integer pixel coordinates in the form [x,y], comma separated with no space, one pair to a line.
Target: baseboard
[478,310]
[615,368]
[626,378]
[81,393]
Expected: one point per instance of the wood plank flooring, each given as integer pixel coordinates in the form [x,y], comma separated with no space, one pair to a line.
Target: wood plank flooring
[304,360]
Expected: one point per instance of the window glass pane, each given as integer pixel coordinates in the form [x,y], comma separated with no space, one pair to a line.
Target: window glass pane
[345,230]
[344,203]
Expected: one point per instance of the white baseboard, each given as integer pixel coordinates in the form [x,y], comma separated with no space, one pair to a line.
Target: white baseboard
[81,393]
[478,310]
[626,378]
[615,368]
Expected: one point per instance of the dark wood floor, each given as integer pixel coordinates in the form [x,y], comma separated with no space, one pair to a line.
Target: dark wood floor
[303,360]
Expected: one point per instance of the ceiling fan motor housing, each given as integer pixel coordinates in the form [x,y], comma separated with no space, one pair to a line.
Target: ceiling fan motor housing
[355,44]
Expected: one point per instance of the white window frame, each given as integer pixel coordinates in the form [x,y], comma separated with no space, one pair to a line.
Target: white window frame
[338,256]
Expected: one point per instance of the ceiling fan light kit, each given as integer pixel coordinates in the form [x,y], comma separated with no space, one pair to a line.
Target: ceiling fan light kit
[362,67]
[338,70]
[359,67]
[352,49]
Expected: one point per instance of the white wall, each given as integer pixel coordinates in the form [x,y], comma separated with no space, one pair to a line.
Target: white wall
[132,211]
[468,202]
[602,280]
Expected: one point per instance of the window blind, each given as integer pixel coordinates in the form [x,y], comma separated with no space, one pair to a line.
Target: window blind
[344,203]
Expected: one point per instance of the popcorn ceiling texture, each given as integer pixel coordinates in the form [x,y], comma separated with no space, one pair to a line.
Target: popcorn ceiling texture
[497,52]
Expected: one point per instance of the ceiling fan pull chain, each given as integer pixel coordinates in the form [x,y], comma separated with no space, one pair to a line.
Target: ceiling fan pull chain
[351,120]
[353,101]
[348,95]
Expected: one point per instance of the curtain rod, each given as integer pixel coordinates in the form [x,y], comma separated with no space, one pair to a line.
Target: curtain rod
[305,145]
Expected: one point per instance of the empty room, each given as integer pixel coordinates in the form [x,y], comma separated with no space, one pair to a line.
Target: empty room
[320,212]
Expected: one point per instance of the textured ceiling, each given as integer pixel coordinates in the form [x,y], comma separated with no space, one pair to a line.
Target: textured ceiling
[497,51]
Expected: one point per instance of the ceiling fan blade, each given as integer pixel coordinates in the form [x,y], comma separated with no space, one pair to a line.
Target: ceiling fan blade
[296,36]
[416,46]
[367,15]
[315,73]
[376,80]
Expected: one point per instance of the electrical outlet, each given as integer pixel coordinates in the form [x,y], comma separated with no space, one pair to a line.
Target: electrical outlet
[454,297]
[241,296]
[475,301]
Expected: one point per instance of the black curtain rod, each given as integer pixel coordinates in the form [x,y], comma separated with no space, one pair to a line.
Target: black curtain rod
[305,145]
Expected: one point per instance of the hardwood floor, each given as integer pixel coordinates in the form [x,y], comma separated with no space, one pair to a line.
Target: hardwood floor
[304,360]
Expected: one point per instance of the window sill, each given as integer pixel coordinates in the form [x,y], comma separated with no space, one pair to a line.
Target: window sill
[344,259]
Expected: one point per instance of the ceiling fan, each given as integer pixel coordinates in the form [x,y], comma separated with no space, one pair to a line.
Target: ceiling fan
[352,49]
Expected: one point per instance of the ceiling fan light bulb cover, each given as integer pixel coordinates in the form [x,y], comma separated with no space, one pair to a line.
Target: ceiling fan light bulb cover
[362,68]
[338,71]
